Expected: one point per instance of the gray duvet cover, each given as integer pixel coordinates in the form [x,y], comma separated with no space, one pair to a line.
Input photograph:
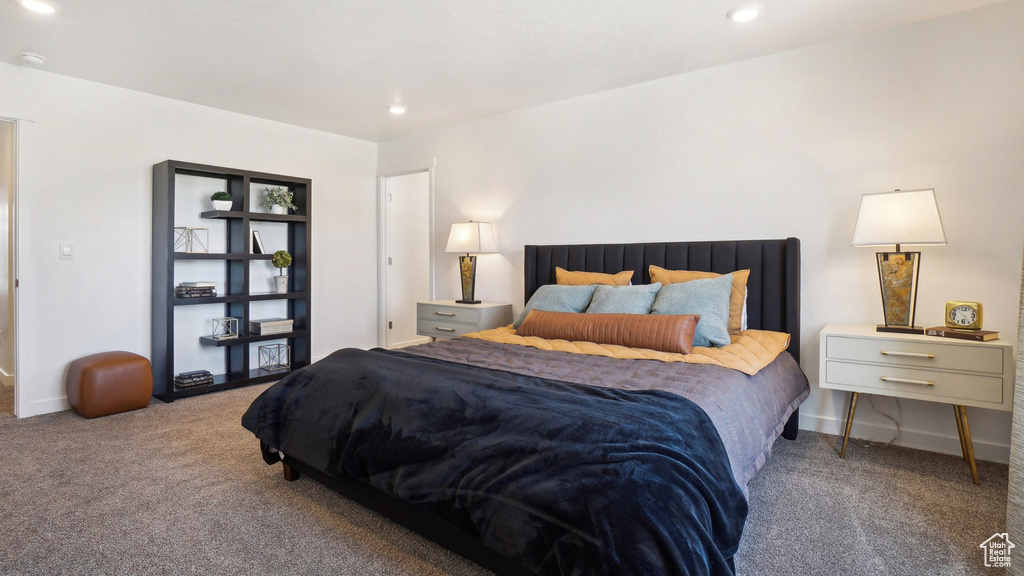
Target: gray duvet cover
[748,411]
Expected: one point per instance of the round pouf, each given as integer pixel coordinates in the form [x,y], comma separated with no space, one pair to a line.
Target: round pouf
[109,383]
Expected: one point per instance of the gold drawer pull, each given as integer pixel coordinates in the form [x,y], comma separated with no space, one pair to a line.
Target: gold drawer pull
[908,354]
[442,329]
[445,313]
[907,381]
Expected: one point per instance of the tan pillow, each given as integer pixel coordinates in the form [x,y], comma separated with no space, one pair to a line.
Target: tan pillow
[665,333]
[736,298]
[568,278]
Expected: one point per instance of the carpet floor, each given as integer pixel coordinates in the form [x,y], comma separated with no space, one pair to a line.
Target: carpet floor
[180,489]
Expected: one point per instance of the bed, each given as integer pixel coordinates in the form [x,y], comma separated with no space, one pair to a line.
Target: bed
[529,460]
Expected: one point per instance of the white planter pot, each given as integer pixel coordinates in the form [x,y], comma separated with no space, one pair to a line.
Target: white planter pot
[278,209]
[281,283]
[222,205]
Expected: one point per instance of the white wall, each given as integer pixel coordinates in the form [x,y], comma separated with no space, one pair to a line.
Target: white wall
[89,182]
[778,146]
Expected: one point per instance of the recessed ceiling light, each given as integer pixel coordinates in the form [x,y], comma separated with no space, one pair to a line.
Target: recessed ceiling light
[40,6]
[744,13]
[396,109]
[33,58]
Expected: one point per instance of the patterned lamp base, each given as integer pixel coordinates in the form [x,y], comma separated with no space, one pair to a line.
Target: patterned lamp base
[897,275]
[467,266]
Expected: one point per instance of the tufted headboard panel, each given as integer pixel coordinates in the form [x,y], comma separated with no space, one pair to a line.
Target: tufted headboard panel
[773,289]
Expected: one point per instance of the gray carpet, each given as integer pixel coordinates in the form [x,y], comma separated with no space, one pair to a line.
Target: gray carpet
[180,489]
[6,400]
[881,510]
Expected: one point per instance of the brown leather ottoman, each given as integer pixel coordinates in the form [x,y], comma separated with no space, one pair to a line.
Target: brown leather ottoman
[109,383]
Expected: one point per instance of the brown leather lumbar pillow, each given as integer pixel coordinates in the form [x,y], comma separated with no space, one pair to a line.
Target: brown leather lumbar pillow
[665,333]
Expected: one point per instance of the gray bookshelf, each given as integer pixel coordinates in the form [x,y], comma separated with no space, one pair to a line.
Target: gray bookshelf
[236,296]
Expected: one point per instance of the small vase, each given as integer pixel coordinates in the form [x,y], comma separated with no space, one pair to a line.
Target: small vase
[278,209]
[224,205]
[281,283]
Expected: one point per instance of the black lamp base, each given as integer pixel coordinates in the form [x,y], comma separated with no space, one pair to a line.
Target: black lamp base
[467,301]
[899,329]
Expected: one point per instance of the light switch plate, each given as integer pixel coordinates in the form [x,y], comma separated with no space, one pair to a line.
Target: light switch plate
[66,251]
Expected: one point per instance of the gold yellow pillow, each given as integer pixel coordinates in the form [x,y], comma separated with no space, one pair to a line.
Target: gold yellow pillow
[736,297]
[568,278]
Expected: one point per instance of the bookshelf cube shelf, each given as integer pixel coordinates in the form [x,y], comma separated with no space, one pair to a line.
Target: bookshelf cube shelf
[221,247]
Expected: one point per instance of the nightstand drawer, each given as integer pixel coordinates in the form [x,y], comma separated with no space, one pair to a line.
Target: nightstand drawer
[443,329]
[937,354]
[438,313]
[949,387]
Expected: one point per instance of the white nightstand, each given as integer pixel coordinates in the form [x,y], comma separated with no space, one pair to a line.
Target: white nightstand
[448,318]
[958,372]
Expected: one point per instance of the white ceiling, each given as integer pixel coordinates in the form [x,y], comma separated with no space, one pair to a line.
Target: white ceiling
[335,65]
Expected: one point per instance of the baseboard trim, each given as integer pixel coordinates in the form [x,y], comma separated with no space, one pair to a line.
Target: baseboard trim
[47,406]
[909,438]
[416,342]
[316,359]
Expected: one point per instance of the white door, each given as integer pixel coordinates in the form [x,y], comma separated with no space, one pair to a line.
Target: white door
[407,239]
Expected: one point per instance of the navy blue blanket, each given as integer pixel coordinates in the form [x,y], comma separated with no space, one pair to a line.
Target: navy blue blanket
[561,478]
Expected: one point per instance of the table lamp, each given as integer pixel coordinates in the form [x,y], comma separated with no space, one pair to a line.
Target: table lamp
[470,238]
[900,218]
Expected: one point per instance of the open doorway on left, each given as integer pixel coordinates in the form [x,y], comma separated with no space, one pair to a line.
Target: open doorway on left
[8,183]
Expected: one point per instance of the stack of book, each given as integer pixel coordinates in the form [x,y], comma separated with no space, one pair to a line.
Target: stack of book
[193,378]
[270,326]
[977,335]
[196,290]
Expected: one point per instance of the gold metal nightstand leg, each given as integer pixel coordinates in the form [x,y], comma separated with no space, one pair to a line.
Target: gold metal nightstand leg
[960,431]
[962,417]
[849,422]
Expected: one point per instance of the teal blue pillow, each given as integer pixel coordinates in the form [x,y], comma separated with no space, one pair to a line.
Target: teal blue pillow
[557,298]
[709,298]
[623,299]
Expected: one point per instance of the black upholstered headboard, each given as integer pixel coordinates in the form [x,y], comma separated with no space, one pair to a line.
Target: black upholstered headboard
[773,289]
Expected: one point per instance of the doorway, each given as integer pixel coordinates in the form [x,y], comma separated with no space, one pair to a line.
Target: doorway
[406,240]
[8,183]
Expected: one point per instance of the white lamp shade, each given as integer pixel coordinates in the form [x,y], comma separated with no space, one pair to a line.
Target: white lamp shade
[910,217]
[471,238]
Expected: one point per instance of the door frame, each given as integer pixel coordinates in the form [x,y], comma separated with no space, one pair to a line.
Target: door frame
[382,253]
[22,130]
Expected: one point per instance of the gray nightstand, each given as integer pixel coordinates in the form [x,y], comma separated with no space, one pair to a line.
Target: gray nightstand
[958,372]
[448,319]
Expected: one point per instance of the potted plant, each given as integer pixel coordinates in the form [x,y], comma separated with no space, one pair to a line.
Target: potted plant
[278,200]
[281,260]
[221,200]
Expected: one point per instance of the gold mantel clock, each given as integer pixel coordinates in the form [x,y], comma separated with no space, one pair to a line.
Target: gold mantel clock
[963,315]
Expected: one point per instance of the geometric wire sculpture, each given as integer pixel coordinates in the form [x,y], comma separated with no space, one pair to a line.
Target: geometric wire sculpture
[180,239]
[225,328]
[275,357]
[191,240]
